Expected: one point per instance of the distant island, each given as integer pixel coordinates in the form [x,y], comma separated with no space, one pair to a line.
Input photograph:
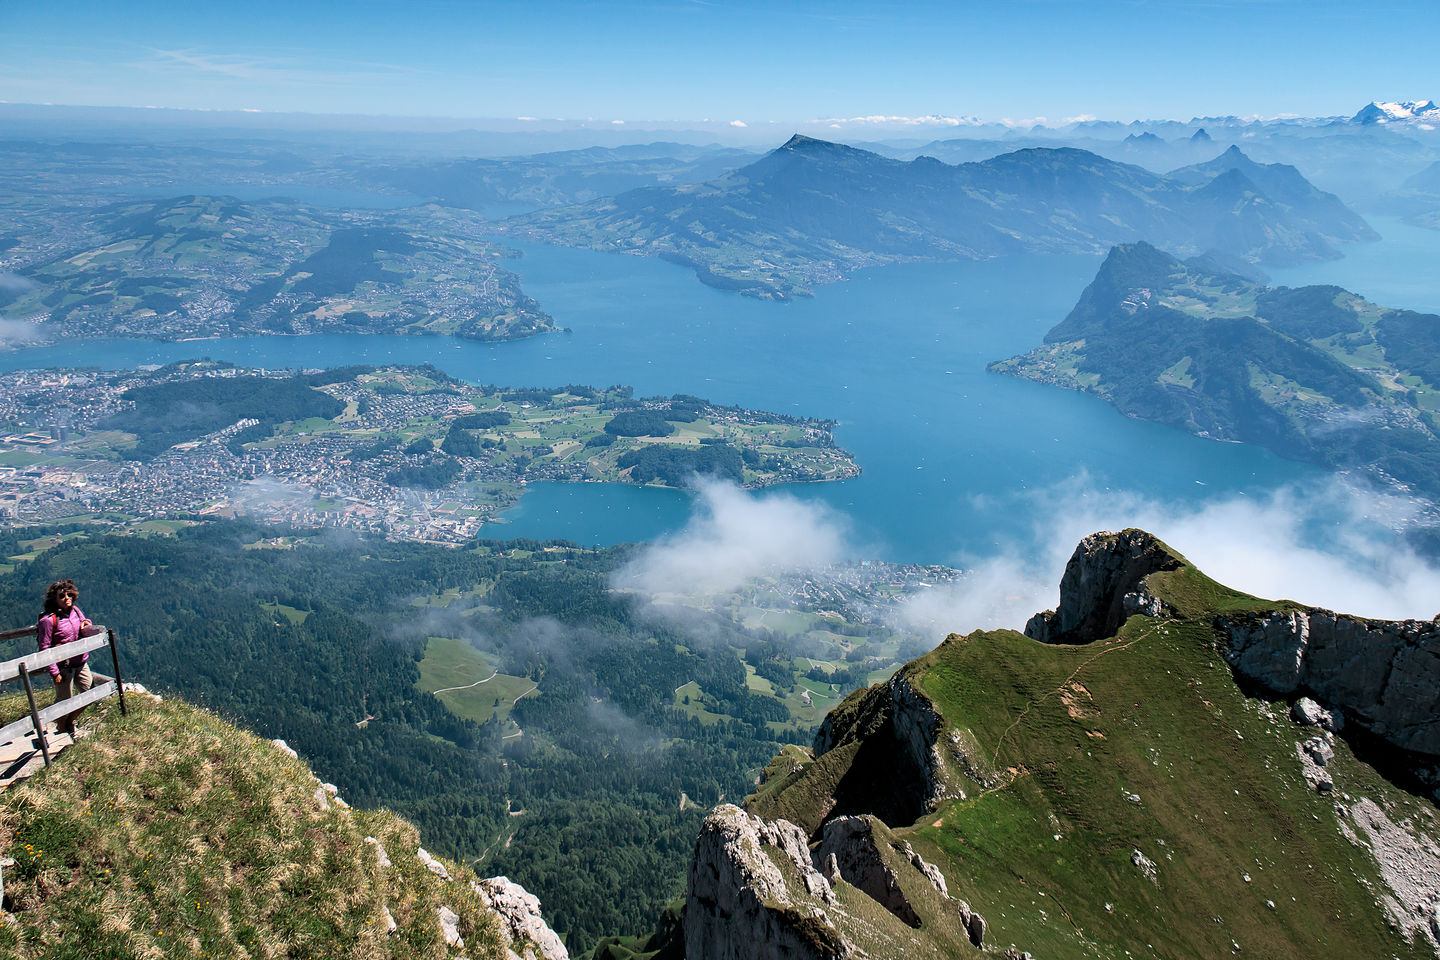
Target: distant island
[209,266]
[406,451]
[812,211]
[1316,374]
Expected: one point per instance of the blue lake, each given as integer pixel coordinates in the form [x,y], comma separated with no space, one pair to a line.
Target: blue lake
[953,456]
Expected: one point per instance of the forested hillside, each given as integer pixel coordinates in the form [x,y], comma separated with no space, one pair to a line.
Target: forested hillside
[319,639]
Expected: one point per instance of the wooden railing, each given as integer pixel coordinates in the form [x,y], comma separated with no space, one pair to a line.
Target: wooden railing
[93,639]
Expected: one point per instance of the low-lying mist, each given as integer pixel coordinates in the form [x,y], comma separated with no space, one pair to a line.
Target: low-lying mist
[1332,545]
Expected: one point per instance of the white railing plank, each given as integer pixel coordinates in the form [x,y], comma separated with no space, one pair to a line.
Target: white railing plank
[32,662]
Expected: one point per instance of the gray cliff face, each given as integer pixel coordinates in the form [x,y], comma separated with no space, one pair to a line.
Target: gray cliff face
[1102,586]
[1383,675]
[917,726]
[743,903]
[901,770]
[851,842]
[757,891]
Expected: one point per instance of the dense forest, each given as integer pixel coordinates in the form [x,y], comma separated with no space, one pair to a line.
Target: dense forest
[316,638]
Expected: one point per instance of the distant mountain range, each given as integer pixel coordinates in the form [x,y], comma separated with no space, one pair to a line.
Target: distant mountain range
[1316,374]
[813,211]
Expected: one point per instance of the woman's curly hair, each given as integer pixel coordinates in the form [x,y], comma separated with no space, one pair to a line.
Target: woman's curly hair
[55,591]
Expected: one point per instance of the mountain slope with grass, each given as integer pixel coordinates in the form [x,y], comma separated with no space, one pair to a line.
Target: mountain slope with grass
[172,833]
[1316,374]
[1144,772]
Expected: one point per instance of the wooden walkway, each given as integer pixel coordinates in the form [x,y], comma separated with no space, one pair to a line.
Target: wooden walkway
[20,758]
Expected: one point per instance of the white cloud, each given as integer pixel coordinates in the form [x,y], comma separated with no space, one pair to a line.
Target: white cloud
[268,493]
[738,123]
[735,536]
[1330,546]
[932,120]
[14,283]
[15,333]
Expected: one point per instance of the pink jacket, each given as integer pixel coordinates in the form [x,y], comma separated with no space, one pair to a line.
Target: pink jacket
[55,630]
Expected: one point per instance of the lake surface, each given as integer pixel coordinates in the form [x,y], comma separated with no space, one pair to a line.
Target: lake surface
[953,456]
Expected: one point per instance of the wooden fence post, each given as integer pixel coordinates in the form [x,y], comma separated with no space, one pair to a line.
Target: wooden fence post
[119,683]
[35,715]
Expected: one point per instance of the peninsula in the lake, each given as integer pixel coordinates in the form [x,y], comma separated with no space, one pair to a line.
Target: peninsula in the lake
[1315,373]
[407,451]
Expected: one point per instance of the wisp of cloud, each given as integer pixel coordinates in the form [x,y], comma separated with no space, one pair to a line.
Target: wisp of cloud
[734,537]
[1332,546]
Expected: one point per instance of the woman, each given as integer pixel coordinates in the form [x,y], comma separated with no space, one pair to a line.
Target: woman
[63,622]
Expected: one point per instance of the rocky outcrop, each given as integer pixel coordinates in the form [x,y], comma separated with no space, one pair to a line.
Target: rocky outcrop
[1409,865]
[758,892]
[1102,586]
[1382,676]
[741,905]
[530,937]
[851,844]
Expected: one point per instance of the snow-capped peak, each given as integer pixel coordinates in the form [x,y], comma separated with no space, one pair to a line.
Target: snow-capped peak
[1391,111]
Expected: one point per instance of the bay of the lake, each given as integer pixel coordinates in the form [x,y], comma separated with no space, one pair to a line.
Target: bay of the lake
[955,459]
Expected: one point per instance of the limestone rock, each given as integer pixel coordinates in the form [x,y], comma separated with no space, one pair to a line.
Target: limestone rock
[1320,751]
[902,769]
[284,748]
[1409,864]
[520,919]
[450,926]
[431,864]
[1313,769]
[1383,676]
[380,854]
[931,872]
[1105,569]
[390,925]
[1307,712]
[975,926]
[738,904]
[853,844]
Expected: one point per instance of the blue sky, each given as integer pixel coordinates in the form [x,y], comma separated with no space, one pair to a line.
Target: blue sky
[745,60]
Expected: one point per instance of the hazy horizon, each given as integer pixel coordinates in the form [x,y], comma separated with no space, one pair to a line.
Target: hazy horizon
[929,66]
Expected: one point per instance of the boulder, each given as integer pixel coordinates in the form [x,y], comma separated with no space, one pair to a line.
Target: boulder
[1307,712]
[520,919]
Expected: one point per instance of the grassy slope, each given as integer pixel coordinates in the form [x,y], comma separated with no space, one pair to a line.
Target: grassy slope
[1221,807]
[171,833]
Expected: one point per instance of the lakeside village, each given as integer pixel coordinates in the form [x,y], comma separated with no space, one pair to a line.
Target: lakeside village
[372,467]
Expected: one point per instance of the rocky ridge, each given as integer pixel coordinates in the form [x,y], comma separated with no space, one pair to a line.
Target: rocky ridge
[948,785]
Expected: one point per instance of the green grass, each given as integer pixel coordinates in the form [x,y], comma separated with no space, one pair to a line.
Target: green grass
[1083,755]
[691,699]
[1151,713]
[293,614]
[454,663]
[160,527]
[170,833]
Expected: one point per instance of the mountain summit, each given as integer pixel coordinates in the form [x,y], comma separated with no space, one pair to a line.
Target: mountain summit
[1397,111]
